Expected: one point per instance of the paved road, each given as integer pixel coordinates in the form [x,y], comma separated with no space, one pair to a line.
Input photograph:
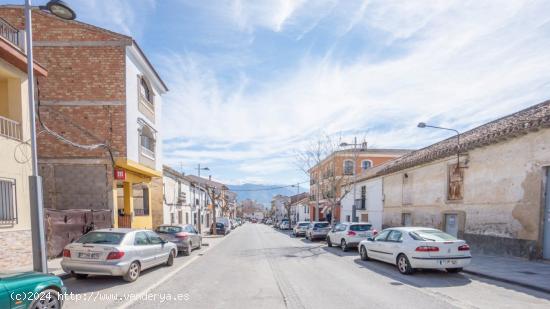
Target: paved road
[259,267]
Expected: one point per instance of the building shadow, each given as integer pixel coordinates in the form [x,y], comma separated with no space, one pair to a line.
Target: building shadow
[421,278]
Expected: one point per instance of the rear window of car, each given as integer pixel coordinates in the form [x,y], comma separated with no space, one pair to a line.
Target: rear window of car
[303,224]
[321,225]
[101,238]
[431,235]
[169,229]
[360,227]
[220,225]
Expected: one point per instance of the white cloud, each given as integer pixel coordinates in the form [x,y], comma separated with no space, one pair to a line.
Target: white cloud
[466,63]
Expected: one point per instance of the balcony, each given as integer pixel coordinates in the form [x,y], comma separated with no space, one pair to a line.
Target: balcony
[10,128]
[10,33]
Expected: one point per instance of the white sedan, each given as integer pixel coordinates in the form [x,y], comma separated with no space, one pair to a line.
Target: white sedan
[417,247]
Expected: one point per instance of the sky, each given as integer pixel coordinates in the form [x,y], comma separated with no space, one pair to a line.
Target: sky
[254,82]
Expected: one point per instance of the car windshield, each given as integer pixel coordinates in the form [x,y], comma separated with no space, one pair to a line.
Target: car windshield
[321,225]
[432,235]
[360,227]
[101,238]
[169,229]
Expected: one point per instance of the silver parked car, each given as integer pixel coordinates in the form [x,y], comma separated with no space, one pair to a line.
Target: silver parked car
[117,252]
[186,237]
[317,230]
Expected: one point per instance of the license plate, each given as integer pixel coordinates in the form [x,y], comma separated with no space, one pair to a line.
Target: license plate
[86,255]
[448,262]
[362,234]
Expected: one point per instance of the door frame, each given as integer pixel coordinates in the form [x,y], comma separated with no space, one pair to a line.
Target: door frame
[544,200]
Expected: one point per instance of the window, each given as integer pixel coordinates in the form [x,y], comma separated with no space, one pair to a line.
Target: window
[147,140]
[144,90]
[154,239]
[360,227]
[395,236]
[8,205]
[382,236]
[141,239]
[363,197]
[349,167]
[366,164]
[101,238]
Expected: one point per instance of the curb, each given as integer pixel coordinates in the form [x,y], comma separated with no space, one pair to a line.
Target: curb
[513,282]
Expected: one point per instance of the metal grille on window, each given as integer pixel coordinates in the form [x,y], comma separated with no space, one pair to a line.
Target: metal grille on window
[8,205]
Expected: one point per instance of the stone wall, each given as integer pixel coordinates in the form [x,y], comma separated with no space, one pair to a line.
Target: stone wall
[16,249]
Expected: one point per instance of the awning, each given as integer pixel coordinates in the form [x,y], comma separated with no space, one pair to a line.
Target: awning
[137,167]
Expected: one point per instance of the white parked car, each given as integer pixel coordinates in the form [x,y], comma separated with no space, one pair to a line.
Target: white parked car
[226,221]
[317,230]
[349,234]
[417,247]
[285,225]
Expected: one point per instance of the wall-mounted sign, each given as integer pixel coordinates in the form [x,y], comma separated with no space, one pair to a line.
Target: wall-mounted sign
[120,174]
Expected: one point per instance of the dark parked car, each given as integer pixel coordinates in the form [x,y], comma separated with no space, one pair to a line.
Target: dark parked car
[220,229]
[185,236]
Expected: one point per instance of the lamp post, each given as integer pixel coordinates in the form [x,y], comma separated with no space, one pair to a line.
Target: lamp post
[199,169]
[355,154]
[423,125]
[40,264]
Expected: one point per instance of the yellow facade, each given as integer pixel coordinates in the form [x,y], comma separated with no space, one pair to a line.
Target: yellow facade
[125,195]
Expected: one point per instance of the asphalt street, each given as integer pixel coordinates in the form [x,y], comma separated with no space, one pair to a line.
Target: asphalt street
[257,266]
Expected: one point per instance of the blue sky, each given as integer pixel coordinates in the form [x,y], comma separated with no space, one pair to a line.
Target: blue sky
[252,82]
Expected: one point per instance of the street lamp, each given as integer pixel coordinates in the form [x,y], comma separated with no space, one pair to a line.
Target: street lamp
[40,264]
[364,147]
[423,125]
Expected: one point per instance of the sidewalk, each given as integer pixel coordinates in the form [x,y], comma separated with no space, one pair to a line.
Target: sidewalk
[530,274]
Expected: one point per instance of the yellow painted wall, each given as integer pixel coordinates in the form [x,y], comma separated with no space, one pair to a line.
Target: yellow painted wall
[14,155]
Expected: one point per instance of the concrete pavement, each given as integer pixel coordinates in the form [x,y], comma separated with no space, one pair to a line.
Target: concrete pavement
[259,267]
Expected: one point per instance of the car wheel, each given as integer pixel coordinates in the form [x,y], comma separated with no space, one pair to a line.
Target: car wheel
[81,276]
[329,243]
[343,245]
[454,270]
[48,298]
[133,272]
[363,253]
[403,265]
[170,260]
[200,245]
[186,251]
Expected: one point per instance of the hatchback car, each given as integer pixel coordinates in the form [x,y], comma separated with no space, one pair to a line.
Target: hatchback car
[117,252]
[16,289]
[300,229]
[349,234]
[417,247]
[186,237]
[285,225]
[317,230]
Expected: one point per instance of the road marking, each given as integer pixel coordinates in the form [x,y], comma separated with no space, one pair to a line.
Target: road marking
[170,275]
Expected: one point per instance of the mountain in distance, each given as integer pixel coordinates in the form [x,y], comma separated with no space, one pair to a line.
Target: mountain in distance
[261,193]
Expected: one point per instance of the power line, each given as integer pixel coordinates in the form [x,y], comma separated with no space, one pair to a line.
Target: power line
[269,189]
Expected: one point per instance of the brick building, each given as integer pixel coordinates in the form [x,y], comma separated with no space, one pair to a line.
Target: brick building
[335,172]
[101,90]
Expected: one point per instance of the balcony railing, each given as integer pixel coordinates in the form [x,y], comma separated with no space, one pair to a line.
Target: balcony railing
[360,204]
[10,33]
[141,212]
[148,152]
[10,128]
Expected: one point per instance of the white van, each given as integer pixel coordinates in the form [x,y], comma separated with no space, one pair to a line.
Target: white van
[226,222]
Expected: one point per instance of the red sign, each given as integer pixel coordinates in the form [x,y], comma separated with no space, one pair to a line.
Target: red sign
[120,174]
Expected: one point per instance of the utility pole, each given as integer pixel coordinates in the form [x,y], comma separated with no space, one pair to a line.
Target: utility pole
[199,214]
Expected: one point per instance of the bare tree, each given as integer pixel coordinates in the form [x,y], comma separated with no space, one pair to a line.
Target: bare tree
[330,185]
[215,196]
